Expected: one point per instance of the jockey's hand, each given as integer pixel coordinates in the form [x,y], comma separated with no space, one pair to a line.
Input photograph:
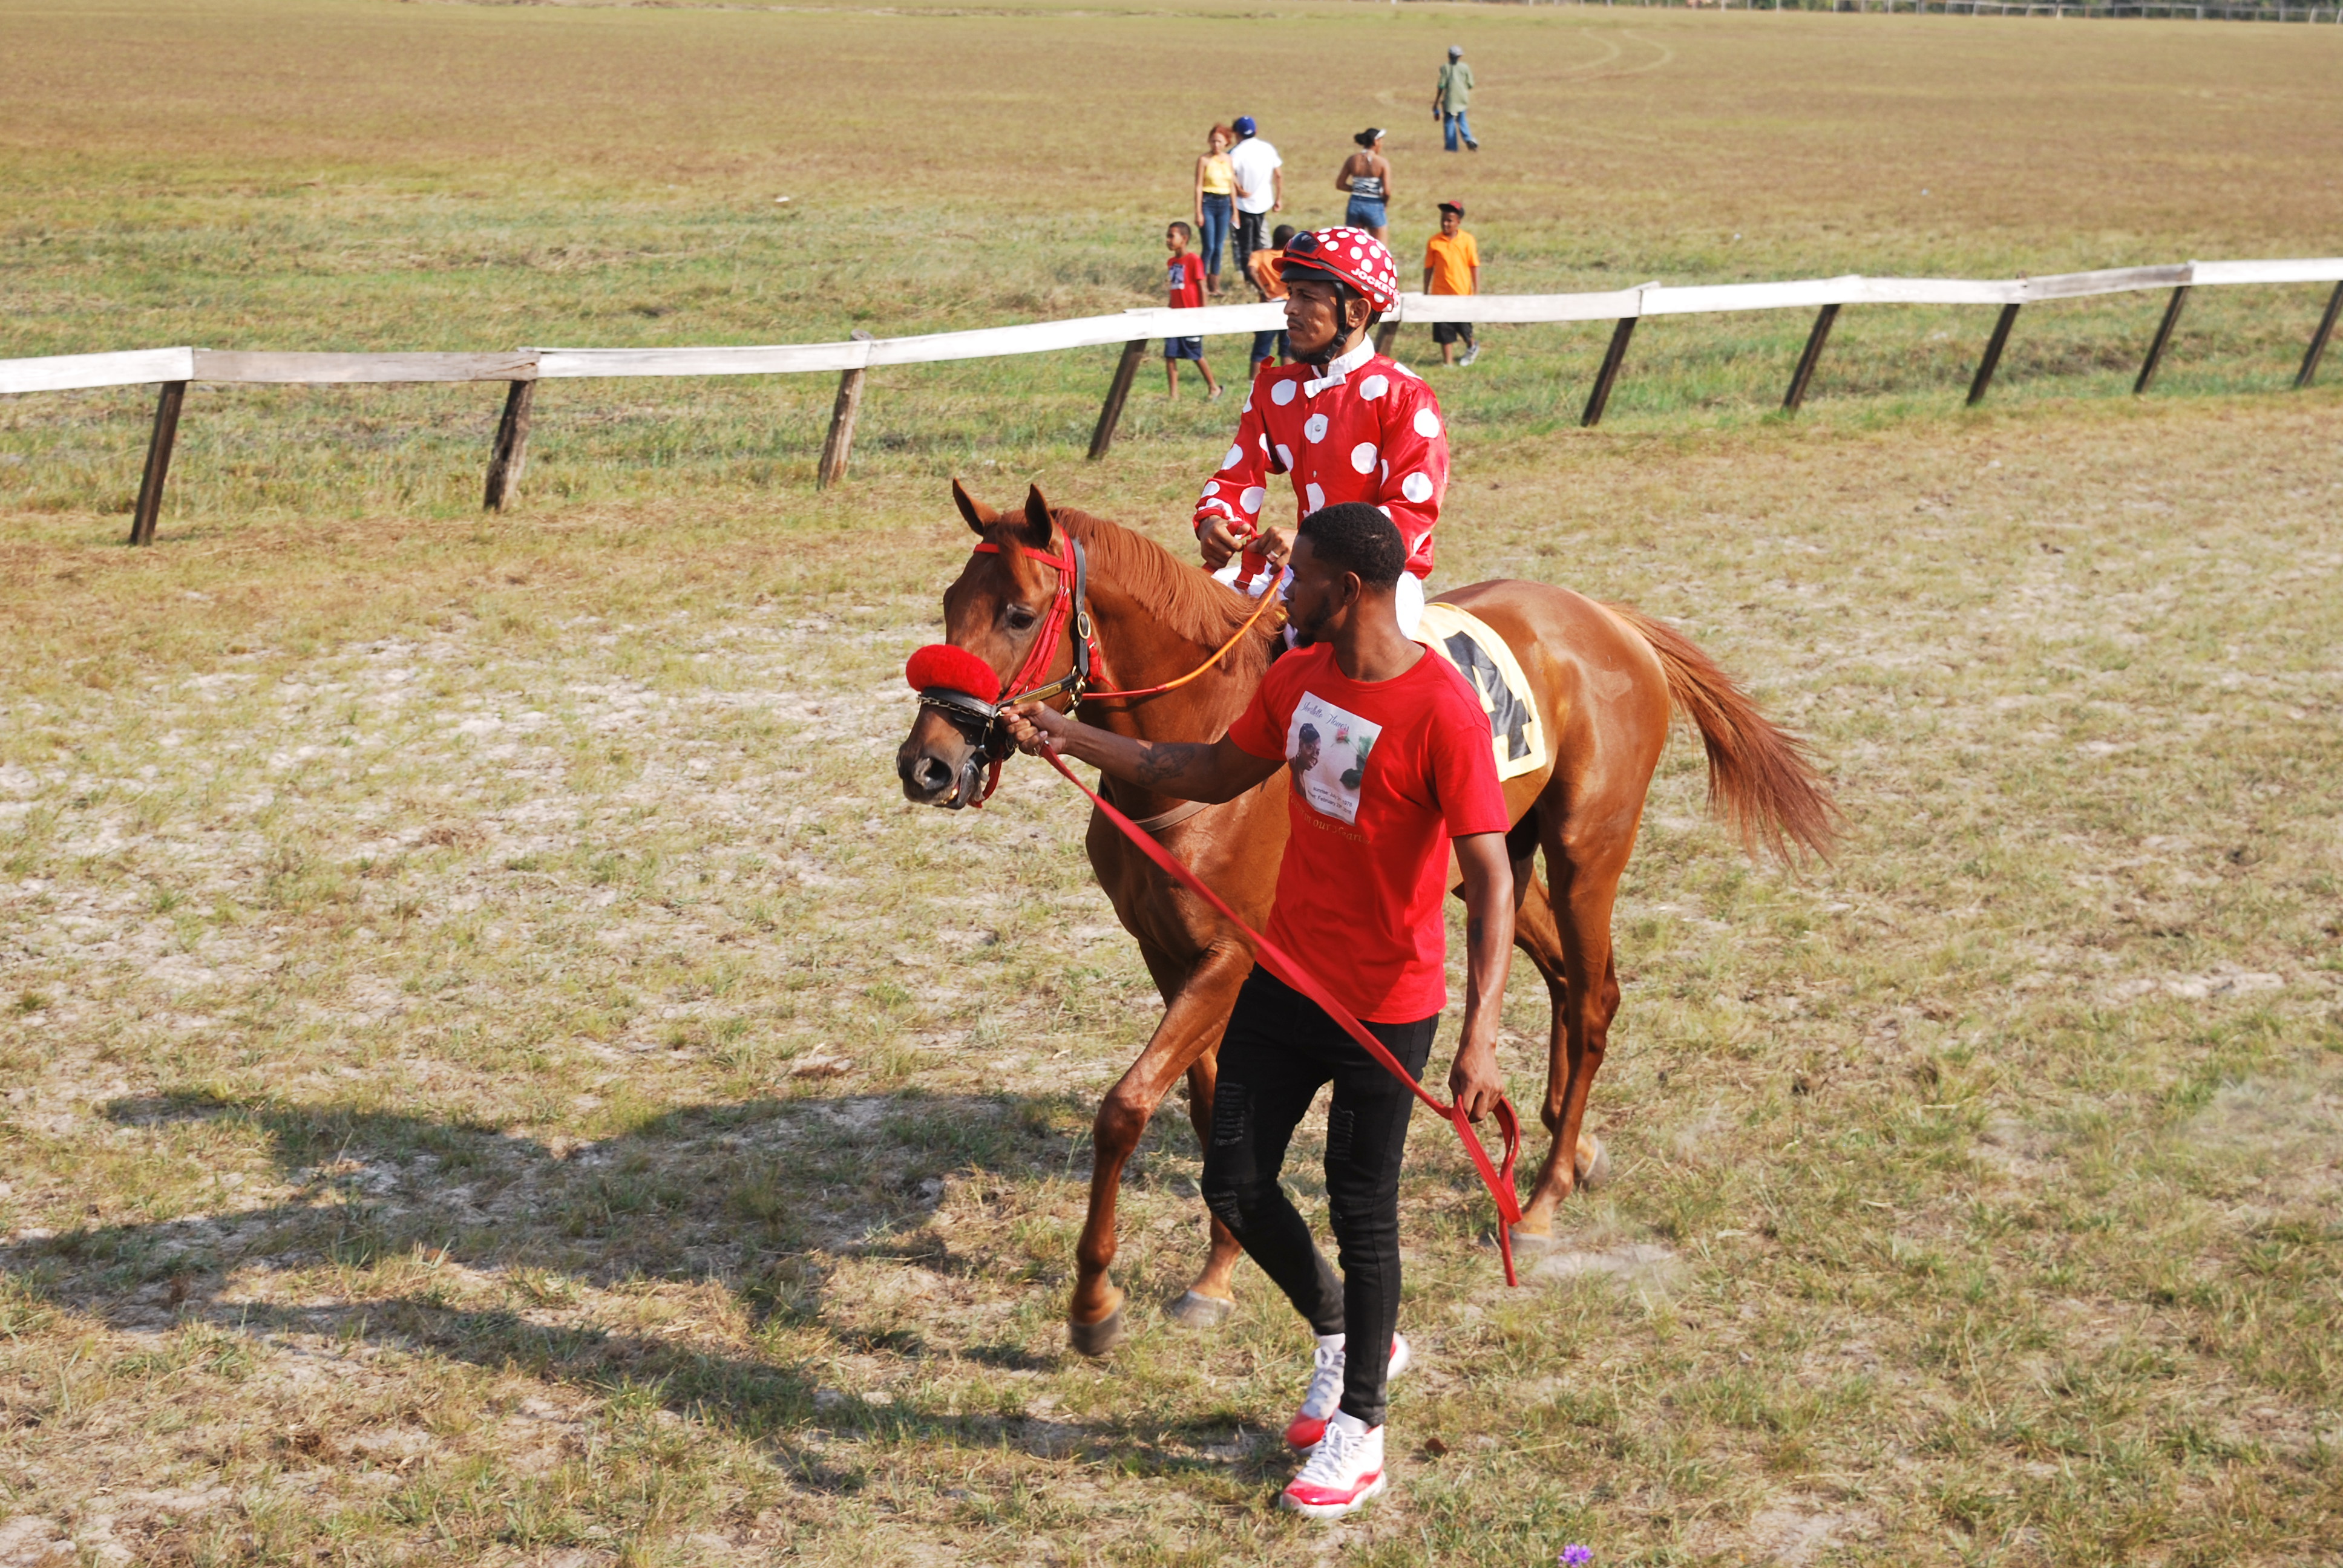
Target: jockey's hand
[1218,542]
[1277,544]
[1037,728]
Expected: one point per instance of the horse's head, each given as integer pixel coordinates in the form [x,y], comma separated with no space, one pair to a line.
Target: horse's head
[994,610]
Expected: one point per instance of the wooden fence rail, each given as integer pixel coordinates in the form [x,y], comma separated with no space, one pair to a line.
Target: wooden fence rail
[521,368]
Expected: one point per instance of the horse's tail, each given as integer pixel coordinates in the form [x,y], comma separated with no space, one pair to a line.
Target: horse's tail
[1761,777]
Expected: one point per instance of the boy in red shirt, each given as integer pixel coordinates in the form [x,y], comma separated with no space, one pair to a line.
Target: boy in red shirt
[1185,277]
[1390,752]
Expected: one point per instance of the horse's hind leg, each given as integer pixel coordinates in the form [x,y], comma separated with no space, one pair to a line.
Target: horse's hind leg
[1537,935]
[1193,1021]
[1584,864]
[1213,1297]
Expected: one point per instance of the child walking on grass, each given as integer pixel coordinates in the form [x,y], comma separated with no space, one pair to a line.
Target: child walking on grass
[1451,264]
[1185,279]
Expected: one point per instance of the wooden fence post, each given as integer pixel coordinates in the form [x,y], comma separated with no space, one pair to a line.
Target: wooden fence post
[509,456]
[839,444]
[1806,361]
[2326,327]
[2163,336]
[1992,360]
[1386,336]
[1126,369]
[158,462]
[1604,380]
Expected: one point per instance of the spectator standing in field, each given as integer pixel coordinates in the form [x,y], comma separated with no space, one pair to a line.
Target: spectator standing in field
[1216,200]
[1260,187]
[1451,264]
[1451,98]
[1185,279]
[1367,175]
[1262,265]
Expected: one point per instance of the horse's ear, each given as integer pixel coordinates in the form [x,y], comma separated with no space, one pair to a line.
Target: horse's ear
[1038,524]
[979,515]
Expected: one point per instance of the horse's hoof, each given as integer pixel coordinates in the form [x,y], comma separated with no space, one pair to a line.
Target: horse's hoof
[1531,1245]
[1597,1174]
[1096,1338]
[1193,1311]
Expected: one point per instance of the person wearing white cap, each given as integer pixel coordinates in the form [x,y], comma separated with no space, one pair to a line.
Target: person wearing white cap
[1450,96]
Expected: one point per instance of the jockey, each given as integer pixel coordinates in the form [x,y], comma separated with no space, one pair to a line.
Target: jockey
[1346,423]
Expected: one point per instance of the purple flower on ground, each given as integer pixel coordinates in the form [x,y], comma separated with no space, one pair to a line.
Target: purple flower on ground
[1576,1556]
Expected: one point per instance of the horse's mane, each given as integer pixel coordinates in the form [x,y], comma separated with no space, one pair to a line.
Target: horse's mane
[1180,596]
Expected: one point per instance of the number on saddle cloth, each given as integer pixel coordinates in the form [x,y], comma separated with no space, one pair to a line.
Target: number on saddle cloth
[1516,728]
[1509,715]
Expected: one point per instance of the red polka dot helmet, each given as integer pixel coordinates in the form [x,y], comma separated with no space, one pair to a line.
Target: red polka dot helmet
[1352,255]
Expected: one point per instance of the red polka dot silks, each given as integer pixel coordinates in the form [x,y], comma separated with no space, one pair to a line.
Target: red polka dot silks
[1376,436]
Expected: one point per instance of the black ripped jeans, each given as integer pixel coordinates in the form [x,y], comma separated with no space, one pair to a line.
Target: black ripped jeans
[1280,1048]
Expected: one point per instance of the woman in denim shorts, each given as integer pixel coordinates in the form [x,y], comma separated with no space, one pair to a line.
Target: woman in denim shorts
[1366,177]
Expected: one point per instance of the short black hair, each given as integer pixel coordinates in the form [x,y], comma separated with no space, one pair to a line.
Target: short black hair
[1307,736]
[1281,234]
[1185,232]
[1353,536]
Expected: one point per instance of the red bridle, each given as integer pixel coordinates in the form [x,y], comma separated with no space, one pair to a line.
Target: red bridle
[1069,603]
[980,719]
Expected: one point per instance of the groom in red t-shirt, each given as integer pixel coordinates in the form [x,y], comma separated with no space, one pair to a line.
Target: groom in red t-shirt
[1392,766]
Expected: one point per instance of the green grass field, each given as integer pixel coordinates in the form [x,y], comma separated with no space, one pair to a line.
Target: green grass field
[495,1073]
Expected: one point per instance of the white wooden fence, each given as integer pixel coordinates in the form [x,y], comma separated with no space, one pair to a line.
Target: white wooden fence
[522,369]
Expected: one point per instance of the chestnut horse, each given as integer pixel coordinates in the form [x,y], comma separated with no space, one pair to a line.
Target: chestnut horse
[1604,678]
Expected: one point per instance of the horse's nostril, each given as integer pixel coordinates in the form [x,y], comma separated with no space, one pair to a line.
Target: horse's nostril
[924,777]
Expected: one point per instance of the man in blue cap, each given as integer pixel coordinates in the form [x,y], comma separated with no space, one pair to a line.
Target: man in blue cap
[1260,187]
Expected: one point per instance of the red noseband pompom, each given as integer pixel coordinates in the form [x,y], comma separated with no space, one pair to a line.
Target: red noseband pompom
[954,669]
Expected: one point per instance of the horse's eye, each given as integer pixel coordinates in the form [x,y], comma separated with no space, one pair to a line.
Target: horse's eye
[1019,618]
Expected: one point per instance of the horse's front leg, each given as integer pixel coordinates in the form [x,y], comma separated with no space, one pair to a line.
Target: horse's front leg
[1193,1023]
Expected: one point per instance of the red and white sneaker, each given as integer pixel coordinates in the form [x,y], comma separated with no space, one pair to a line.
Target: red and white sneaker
[1308,1424]
[1343,1473]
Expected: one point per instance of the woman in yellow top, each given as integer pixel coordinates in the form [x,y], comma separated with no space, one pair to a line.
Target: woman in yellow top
[1216,187]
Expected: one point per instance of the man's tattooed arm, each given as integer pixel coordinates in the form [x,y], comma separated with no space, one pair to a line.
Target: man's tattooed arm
[1170,762]
[1181,769]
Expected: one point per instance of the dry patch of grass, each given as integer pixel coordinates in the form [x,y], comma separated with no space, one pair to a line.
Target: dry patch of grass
[496,1073]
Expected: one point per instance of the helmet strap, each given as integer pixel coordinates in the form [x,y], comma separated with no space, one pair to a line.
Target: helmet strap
[1344,340]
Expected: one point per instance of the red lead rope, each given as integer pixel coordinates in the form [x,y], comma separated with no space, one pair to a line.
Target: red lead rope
[1498,1180]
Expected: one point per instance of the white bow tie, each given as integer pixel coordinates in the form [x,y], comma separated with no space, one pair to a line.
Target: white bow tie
[1338,370]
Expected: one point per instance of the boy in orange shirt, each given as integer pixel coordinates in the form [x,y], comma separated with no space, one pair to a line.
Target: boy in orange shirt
[1451,264]
[1261,267]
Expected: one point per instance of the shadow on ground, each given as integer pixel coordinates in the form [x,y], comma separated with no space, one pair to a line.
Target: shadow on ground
[765,1198]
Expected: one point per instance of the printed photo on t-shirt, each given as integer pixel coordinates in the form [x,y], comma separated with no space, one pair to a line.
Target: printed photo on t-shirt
[1326,748]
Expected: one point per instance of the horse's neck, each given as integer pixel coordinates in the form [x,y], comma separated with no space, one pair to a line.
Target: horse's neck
[1139,653]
